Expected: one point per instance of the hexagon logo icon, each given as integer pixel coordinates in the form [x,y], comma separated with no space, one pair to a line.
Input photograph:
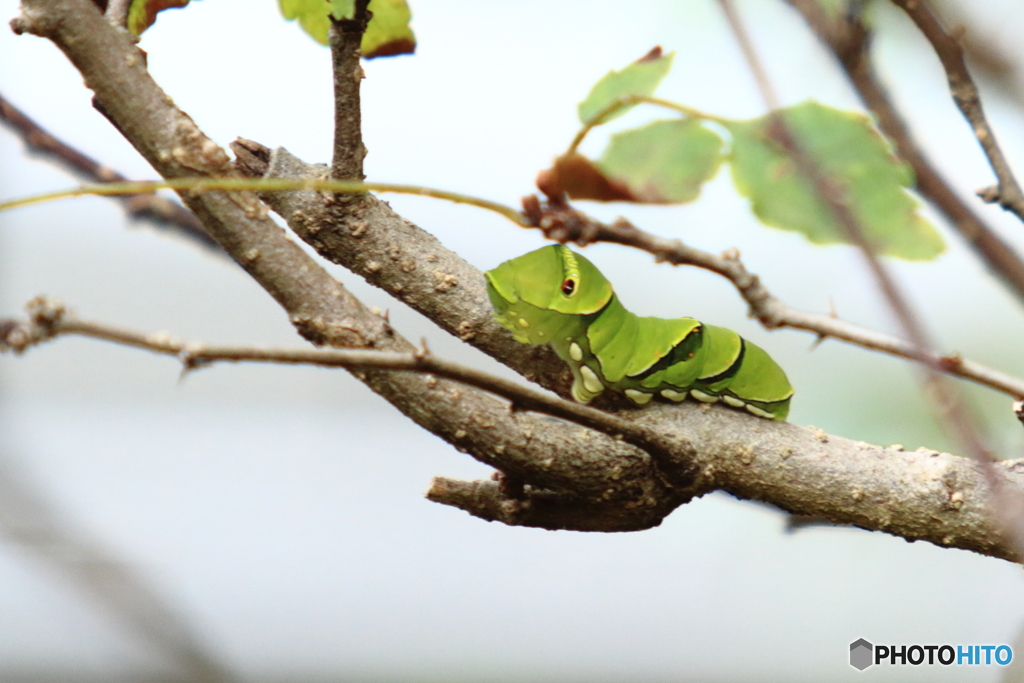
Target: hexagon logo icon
[861,652]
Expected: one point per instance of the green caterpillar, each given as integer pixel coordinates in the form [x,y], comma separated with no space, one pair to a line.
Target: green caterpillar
[553,295]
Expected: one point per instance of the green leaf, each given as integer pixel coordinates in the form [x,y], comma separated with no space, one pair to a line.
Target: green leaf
[853,158]
[342,9]
[312,15]
[387,34]
[665,162]
[641,78]
[142,13]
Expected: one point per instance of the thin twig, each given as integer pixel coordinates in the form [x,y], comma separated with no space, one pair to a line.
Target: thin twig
[48,318]
[923,495]
[764,84]
[117,12]
[346,35]
[965,93]
[563,223]
[849,40]
[162,211]
[631,100]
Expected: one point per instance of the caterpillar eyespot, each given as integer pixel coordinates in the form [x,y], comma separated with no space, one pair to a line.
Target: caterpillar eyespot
[641,357]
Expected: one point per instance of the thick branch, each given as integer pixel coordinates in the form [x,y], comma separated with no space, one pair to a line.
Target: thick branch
[374,242]
[546,453]
[824,475]
[849,40]
[940,498]
[163,212]
[115,69]
[965,94]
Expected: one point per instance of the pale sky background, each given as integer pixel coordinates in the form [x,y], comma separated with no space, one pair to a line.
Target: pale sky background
[281,510]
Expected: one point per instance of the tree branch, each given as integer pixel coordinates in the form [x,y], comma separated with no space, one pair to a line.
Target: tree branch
[547,454]
[800,470]
[849,40]
[346,36]
[115,69]
[563,223]
[965,93]
[163,212]
[923,495]
[947,403]
[49,319]
[117,12]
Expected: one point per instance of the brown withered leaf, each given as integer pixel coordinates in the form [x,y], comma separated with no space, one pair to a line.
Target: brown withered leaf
[577,176]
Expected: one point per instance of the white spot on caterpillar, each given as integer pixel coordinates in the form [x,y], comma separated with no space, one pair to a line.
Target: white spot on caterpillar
[733,401]
[575,352]
[579,393]
[638,397]
[754,410]
[523,323]
[674,395]
[590,381]
[702,397]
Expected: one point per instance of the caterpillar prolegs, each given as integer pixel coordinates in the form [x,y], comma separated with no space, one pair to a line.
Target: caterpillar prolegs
[556,296]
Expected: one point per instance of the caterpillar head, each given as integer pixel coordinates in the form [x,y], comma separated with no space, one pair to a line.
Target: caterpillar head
[535,291]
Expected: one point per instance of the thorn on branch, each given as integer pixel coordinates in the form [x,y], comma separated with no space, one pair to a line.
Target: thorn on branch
[422,353]
[989,195]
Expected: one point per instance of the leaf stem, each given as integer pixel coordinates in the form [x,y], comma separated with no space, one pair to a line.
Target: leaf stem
[623,102]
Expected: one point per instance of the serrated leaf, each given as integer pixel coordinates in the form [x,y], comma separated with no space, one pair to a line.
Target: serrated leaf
[388,33]
[665,162]
[853,158]
[142,13]
[641,78]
